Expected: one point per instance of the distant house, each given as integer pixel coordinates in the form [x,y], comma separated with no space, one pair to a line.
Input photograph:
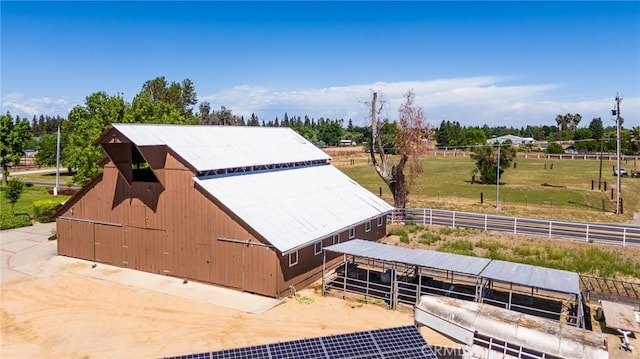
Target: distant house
[244,207]
[30,153]
[347,143]
[516,141]
[569,149]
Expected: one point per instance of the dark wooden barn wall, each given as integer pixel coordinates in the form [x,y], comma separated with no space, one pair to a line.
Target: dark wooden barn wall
[171,228]
[309,267]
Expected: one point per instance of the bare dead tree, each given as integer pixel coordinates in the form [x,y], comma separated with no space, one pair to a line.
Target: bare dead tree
[413,139]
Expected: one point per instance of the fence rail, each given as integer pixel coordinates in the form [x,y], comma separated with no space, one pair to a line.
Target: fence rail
[608,286]
[624,235]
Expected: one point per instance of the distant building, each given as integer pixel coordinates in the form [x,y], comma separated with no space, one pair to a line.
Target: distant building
[347,143]
[30,153]
[516,141]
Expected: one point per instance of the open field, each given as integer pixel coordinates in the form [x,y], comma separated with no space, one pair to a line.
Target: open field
[65,177]
[528,189]
[602,260]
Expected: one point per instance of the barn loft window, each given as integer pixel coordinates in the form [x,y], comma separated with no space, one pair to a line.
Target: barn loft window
[336,239]
[141,170]
[293,258]
[352,232]
[367,226]
[317,248]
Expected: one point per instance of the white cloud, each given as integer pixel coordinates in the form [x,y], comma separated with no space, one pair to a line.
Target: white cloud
[472,101]
[17,104]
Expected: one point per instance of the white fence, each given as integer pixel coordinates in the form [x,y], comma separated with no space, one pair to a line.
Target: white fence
[624,235]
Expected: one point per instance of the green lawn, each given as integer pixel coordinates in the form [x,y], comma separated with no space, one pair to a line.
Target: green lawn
[585,258]
[24,206]
[65,177]
[531,189]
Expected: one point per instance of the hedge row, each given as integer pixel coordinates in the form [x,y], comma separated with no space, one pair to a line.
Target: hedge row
[44,210]
[8,220]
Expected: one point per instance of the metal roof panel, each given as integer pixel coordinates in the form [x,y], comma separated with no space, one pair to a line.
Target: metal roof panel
[533,276]
[523,274]
[295,207]
[421,257]
[221,147]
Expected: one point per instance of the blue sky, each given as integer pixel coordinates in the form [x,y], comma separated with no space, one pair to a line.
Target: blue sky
[495,63]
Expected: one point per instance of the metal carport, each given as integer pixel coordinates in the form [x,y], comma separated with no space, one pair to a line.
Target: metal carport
[399,264]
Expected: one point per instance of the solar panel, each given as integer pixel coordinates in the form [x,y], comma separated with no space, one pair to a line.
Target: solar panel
[391,343]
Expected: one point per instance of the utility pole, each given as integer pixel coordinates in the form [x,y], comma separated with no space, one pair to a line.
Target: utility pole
[498,178]
[616,112]
[57,187]
[600,175]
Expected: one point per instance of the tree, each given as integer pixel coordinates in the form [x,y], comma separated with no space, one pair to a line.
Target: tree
[413,138]
[13,192]
[573,120]
[597,131]
[13,137]
[472,136]
[47,150]
[568,122]
[144,109]
[487,163]
[635,139]
[85,124]
[180,96]
[555,148]
[330,133]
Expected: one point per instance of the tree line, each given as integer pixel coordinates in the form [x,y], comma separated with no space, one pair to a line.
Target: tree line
[594,138]
[164,102]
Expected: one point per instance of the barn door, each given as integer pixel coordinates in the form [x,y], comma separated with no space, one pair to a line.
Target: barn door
[144,250]
[108,244]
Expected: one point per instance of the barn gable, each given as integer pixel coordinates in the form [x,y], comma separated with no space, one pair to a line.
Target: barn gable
[273,179]
[247,208]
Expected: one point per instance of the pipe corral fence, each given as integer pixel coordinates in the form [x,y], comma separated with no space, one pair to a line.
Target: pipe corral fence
[398,285]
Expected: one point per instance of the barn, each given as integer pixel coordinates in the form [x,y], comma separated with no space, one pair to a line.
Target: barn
[249,208]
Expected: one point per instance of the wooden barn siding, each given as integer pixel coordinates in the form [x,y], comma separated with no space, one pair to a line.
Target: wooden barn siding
[171,229]
[309,267]
[77,239]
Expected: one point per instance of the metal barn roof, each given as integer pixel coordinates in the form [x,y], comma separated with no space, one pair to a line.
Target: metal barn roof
[222,147]
[293,208]
[509,272]
[533,276]
[421,257]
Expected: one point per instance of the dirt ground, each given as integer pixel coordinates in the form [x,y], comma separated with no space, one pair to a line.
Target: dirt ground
[65,315]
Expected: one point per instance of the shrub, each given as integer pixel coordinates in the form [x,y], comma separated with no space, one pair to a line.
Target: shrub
[44,210]
[529,251]
[489,245]
[429,238]
[404,237]
[463,247]
[413,227]
[14,191]
[556,253]
[8,220]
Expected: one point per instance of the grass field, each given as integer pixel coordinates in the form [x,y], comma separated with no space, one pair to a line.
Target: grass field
[24,206]
[530,188]
[65,178]
[601,260]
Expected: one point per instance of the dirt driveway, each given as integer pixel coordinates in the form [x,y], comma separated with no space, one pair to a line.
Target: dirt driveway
[53,309]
